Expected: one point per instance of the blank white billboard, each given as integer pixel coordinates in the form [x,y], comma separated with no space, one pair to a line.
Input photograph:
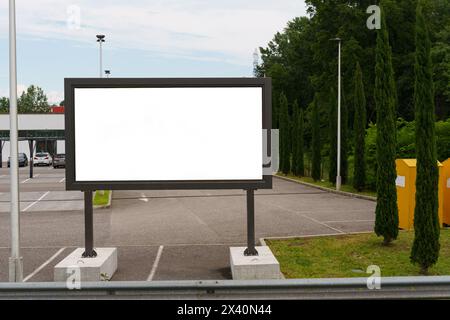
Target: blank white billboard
[164,134]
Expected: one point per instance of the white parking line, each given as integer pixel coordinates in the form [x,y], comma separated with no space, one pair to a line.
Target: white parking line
[322,223]
[44,264]
[32,204]
[143,197]
[348,221]
[35,176]
[308,217]
[155,264]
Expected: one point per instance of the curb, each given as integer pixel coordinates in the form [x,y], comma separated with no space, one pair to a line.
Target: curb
[343,193]
[263,240]
[105,206]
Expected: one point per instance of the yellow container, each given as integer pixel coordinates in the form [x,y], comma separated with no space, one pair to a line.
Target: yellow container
[406,192]
[446,187]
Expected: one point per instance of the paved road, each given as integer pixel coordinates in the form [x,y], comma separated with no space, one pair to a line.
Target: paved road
[45,179]
[165,235]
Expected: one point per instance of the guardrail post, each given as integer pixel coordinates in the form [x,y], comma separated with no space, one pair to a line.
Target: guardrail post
[251,250]
[89,226]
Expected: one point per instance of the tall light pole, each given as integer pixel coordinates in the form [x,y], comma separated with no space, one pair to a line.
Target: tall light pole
[338,176]
[15,260]
[100,40]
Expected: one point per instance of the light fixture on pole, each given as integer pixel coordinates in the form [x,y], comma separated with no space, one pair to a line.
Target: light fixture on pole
[338,176]
[15,260]
[100,40]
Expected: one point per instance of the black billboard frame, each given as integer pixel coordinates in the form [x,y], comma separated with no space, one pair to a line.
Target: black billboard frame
[70,84]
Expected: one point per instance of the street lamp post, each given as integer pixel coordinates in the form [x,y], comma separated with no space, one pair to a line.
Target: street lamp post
[15,260]
[100,40]
[338,176]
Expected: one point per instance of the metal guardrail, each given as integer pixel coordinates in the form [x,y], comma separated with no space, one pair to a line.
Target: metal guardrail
[345,288]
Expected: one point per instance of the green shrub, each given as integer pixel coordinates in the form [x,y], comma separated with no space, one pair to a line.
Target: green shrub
[405,145]
[443,139]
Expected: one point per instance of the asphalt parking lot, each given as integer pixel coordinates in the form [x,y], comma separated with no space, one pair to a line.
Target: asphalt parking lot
[166,235]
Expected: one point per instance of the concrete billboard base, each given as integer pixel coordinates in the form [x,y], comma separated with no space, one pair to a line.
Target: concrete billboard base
[263,266]
[76,268]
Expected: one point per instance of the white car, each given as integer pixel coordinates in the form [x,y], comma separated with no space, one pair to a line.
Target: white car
[42,159]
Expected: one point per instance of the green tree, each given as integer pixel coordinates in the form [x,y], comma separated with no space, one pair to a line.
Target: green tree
[301,59]
[294,137]
[386,220]
[332,132]
[443,139]
[359,128]
[438,18]
[298,167]
[315,144]
[301,144]
[425,250]
[4,105]
[33,100]
[344,138]
[284,135]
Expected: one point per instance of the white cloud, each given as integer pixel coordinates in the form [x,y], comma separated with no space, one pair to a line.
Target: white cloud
[20,88]
[55,97]
[228,30]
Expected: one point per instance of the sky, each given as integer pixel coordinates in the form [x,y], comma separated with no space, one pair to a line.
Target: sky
[144,38]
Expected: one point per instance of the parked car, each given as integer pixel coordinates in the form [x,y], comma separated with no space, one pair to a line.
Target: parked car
[23,160]
[42,159]
[59,160]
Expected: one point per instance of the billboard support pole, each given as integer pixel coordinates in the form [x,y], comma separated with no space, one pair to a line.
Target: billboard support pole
[30,144]
[88,226]
[251,250]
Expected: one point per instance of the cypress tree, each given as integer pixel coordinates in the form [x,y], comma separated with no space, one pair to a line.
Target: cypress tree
[284,135]
[294,138]
[344,139]
[301,144]
[298,141]
[275,115]
[386,219]
[359,127]
[315,144]
[290,138]
[425,250]
[332,127]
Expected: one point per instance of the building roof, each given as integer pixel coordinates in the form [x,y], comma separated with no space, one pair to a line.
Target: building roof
[57,109]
